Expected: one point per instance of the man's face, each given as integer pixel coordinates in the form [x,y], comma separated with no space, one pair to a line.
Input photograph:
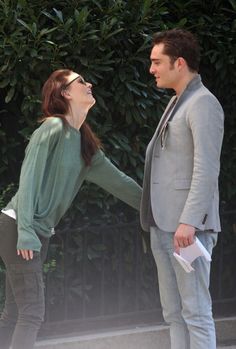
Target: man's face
[165,72]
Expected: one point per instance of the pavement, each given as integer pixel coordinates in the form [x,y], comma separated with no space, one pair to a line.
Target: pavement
[143,337]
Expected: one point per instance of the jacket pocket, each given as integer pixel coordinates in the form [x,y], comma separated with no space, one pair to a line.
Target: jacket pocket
[182,183]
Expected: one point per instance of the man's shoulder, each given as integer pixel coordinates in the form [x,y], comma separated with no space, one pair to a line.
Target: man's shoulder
[205,105]
[203,96]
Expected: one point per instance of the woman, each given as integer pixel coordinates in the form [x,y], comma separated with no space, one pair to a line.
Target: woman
[62,153]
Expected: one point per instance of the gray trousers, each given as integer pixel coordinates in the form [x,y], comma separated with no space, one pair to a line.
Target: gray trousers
[185,297]
[24,306]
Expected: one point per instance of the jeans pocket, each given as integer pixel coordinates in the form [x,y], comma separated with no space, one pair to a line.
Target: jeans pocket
[27,285]
[214,238]
[208,239]
[153,239]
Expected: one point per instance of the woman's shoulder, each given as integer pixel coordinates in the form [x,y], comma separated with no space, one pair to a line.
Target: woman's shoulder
[53,124]
[51,127]
[98,156]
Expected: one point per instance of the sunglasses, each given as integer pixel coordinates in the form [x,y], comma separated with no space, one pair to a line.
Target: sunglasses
[80,81]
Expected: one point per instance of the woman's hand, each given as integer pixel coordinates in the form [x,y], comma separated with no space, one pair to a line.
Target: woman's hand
[26,254]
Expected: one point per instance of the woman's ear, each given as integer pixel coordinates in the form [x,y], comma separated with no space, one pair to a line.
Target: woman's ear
[66,94]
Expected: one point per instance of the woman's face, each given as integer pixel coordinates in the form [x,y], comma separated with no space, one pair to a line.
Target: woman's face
[79,90]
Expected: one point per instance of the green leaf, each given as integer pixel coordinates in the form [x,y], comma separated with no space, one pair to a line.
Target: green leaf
[10,95]
[114,33]
[3,68]
[47,14]
[182,22]
[146,7]
[50,43]
[59,14]
[33,53]
[81,17]
[4,83]
[46,31]
[233,4]
[34,29]
[25,25]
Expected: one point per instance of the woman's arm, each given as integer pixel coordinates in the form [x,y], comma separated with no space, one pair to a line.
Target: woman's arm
[33,169]
[103,173]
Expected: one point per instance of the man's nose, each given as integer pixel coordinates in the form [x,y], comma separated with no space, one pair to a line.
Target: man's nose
[151,69]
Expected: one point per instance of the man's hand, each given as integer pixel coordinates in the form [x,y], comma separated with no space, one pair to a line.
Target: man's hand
[26,254]
[184,236]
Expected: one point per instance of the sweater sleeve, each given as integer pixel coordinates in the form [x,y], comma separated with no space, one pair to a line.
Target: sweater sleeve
[31,181]
[103,173]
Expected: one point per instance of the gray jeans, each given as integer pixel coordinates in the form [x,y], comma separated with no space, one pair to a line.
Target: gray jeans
[24,306]
[185,297]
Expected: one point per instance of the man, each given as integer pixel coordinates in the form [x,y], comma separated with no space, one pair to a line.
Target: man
[180,190]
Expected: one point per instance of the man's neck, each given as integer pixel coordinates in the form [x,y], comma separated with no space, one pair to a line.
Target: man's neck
[183,83]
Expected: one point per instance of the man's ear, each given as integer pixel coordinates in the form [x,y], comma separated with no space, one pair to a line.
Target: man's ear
[181,62]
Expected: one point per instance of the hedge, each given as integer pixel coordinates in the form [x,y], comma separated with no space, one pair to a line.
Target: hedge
[108,42]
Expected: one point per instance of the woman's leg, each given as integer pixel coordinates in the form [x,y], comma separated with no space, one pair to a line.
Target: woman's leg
[8,317]
[25,290]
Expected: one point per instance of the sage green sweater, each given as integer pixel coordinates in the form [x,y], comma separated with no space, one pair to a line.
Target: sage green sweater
[52,172]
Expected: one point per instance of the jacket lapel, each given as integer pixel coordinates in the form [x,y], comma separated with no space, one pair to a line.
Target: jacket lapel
[161,124]
[194,84]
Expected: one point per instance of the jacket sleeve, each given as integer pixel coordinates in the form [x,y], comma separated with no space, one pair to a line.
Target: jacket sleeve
[103,173]
[31,183]
[206,121]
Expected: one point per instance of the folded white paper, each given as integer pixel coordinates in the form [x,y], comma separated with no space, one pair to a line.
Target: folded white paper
[185,264]
[188,254]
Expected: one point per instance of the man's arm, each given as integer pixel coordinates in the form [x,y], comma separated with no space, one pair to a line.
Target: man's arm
[206,121]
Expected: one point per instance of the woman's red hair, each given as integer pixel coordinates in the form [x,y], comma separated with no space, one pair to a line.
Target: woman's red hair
[54,104]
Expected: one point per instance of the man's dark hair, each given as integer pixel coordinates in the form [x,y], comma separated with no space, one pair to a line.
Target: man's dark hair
[179,43]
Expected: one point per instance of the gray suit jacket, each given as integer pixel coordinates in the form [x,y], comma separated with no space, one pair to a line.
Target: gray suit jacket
[181,174]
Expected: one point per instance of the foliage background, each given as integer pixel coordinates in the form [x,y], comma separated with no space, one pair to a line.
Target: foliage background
[108,42]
